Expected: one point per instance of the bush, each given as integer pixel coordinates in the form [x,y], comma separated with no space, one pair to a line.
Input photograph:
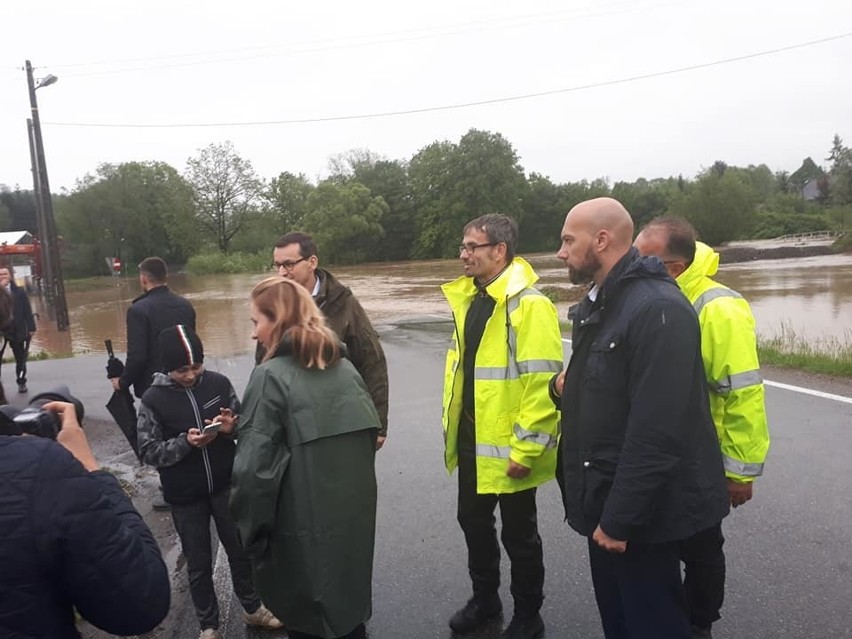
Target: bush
[206,263]
[769,225]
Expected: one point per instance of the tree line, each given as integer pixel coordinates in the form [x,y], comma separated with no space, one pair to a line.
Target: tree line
[372,208]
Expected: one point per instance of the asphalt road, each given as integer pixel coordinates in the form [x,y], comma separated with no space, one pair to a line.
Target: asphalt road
[789,550]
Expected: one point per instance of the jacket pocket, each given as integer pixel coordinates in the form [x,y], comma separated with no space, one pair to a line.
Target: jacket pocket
[605,365]
[598,476]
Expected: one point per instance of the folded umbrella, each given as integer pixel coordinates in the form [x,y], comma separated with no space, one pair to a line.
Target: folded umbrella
[120,405]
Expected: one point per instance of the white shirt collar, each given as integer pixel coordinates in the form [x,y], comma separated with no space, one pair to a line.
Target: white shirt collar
[593,292]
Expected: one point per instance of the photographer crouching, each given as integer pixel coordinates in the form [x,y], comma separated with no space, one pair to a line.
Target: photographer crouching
[69,536]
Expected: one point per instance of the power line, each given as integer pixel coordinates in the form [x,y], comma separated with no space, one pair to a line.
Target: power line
[352,42]
[464,105]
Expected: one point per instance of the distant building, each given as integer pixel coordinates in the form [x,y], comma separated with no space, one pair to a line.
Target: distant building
[811,191]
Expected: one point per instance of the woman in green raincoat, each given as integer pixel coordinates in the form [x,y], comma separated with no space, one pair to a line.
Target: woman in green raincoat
[304,484]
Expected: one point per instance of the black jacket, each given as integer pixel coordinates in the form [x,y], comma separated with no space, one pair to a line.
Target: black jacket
[638,452]
[149,314]
[167,411]
[72,539]
[22,321]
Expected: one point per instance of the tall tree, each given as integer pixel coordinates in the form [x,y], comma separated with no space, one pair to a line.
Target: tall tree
[344,219]
[287,198]
[721,207]
[840,184]
[227,191]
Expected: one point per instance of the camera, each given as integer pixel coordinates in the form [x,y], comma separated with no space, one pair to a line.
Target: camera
[35,420]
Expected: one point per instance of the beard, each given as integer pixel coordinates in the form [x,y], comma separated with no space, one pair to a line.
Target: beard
[585,272]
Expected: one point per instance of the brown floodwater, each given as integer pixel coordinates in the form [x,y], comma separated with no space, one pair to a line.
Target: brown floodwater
[812,296]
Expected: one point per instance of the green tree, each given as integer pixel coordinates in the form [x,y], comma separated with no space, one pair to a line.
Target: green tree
[721,207]
[287,197]
[344,219]
[130,210]
[227,192]
[840,183]
[453,183]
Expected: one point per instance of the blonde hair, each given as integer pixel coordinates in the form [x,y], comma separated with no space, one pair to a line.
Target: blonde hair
[294,315]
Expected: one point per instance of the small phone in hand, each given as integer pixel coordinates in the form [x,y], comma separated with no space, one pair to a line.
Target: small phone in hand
[212,427]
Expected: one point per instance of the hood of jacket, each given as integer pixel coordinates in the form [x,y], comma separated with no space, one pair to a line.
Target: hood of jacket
[705,264]
[633,266]
[517,276]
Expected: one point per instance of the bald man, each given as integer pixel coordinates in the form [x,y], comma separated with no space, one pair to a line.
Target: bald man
[639,465]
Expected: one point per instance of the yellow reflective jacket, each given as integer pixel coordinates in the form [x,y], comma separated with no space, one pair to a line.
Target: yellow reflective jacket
[729,350]
[521,349]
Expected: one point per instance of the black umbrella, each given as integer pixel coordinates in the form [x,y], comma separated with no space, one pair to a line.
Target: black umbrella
[120,405]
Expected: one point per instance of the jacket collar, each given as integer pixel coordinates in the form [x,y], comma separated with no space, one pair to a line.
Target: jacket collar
[514,279]
[157,290]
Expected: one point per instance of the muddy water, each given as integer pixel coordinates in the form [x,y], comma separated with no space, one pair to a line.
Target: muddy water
[813,296]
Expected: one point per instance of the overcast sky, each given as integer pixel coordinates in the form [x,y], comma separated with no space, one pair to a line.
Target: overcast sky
[182,62]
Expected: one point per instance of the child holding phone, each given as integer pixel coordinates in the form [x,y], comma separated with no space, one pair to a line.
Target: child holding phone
[185,427]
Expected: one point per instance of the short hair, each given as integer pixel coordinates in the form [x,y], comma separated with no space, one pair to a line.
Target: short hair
[154,268]
[307,246]
[498,228]
[295,317]
[680,235]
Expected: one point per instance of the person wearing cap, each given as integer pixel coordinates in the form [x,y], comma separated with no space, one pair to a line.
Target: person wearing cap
[195,470]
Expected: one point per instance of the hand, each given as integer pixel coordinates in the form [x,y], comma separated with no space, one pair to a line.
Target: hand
[380,441]
[227,419]
[559,384]
[608,543]
[195,438]
[116,383]
[71,436]
[739,492]
[516,470]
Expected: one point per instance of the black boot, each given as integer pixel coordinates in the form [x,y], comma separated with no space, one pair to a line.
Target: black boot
[525,627]
[476,613]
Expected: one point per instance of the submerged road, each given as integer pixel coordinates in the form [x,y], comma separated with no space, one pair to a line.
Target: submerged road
[789,550]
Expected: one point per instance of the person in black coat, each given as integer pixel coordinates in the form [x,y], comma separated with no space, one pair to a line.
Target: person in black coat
[70,540]
[156,309]
[639,463]
[19,329]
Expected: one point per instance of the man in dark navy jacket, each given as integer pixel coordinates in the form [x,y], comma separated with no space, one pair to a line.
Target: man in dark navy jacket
[18,331]
[639,463]
[71,540]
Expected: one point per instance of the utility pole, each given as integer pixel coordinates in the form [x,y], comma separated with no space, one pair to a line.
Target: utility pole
[43,255]
[50,244]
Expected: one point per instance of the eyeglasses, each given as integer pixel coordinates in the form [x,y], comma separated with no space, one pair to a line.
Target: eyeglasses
[289,265]
[470,248]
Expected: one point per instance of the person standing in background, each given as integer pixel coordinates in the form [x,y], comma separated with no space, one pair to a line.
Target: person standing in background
[19,330]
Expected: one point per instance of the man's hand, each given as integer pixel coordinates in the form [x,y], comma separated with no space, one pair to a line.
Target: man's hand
[559,384]
[71,436]
[116,383]
[227,419]
[380,441]
[195,438]
[739,492]
[608,543]
[516,470]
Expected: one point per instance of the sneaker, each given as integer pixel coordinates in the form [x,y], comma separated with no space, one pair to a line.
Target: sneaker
[262,618]
[525,627]
[475,614]
[22,387]
[210,633]
[699,632]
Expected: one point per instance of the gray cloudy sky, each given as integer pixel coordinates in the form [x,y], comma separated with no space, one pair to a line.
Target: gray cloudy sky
[189,62]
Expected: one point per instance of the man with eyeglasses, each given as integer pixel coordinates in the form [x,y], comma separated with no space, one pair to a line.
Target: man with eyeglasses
[295,257]
[735,388]
[500,426]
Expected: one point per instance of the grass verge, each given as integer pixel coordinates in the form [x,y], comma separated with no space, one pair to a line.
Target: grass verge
[207,263]
[788,349]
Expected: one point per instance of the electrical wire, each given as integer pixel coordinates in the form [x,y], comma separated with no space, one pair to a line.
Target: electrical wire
[463,105]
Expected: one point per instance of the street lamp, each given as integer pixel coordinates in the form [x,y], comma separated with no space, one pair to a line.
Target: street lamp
[52,276]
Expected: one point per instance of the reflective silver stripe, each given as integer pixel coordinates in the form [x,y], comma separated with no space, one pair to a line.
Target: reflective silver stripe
[540,366]
[511,306]
[742,468]
[485,450]
[712,294]
[736,382]
[515,369]
[542,439]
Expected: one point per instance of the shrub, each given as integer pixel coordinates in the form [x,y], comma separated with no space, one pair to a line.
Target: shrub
[216,262]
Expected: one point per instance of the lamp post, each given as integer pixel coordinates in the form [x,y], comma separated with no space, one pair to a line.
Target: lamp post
[50,245]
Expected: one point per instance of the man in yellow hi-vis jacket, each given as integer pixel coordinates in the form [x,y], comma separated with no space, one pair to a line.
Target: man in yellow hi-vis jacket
[500,426]
[729,351]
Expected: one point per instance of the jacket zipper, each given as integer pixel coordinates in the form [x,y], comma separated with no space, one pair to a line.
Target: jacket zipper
[204,454]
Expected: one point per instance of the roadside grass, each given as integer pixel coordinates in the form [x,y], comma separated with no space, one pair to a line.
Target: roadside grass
[789,349]
[237,262]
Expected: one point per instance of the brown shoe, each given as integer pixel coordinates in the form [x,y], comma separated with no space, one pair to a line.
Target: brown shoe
[262,618]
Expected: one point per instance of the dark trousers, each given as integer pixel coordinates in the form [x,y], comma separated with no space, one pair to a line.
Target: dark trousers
[519,535]
[639,592]
[19,350]
[704,581]
[360,632]
[192,522]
